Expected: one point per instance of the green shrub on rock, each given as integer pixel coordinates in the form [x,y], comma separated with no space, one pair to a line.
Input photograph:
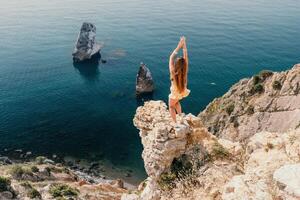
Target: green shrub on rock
[219,152]
[264,74]
[250,110]
[26,185]
[234,120]
[6,189]
[61,190]
[276,85]
[18,171]
[48,169]
[34,194]
[167,180]
[235,123]
[40,159]
[213,106]
[256,79]
[230,109]
[34,169]
[258,88]
[4,184]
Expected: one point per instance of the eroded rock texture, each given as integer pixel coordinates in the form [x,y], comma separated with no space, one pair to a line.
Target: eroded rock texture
[171,149]
[186,161]
[244,145]
[269,101]
[270,159]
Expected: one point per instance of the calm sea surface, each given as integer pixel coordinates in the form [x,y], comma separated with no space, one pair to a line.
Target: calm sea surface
[49,106]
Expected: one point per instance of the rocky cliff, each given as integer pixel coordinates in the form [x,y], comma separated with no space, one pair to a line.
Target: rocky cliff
[244,145]
[268,101]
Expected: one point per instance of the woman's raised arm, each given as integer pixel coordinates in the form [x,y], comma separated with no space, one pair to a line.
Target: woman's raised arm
[174,53]
[185,53]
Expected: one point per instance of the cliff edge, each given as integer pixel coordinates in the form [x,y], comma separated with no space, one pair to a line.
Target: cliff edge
[269,101]
[186,161]
[244,144]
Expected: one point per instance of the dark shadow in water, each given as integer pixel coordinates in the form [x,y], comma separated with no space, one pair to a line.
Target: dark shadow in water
[89,70]
[140,99]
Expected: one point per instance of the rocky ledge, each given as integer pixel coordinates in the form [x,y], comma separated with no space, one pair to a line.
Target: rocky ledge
[186,161]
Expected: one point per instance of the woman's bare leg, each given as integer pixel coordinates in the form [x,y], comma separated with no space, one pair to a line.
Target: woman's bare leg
[178,108]
[172,108]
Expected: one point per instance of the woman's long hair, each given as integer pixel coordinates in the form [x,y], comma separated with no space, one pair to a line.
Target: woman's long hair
[180,74]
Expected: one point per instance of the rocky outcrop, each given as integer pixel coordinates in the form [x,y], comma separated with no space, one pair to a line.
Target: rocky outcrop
[269,101]
[86,46]
[37,180]
[172,149]
[185,161]
[144,80]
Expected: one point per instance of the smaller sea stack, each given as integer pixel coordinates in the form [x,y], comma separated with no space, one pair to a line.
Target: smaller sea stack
[144,81]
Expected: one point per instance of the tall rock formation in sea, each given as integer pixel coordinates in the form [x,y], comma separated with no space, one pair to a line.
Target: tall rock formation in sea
[144,80]
[245,144]
[86,47]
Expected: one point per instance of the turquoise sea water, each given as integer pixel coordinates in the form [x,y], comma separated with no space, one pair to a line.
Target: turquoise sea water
[48,105]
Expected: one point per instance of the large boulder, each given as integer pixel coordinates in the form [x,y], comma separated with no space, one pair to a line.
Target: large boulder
[86,46]
[5,160]
[144,80]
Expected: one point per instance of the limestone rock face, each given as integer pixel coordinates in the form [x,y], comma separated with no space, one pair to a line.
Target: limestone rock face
[165,141]
[144,80]
[86,46]
[263,167]
[130,197]
[162,140]
[159,149]
[268,155]
[266,102]
[289,177]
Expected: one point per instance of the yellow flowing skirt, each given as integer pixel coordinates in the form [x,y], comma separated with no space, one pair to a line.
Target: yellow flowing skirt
[176,95]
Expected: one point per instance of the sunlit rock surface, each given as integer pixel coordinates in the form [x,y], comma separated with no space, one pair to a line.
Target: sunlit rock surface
[269,101]
[244,144]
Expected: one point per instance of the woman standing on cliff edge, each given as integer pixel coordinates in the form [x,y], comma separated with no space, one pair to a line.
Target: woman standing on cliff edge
[178,74]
